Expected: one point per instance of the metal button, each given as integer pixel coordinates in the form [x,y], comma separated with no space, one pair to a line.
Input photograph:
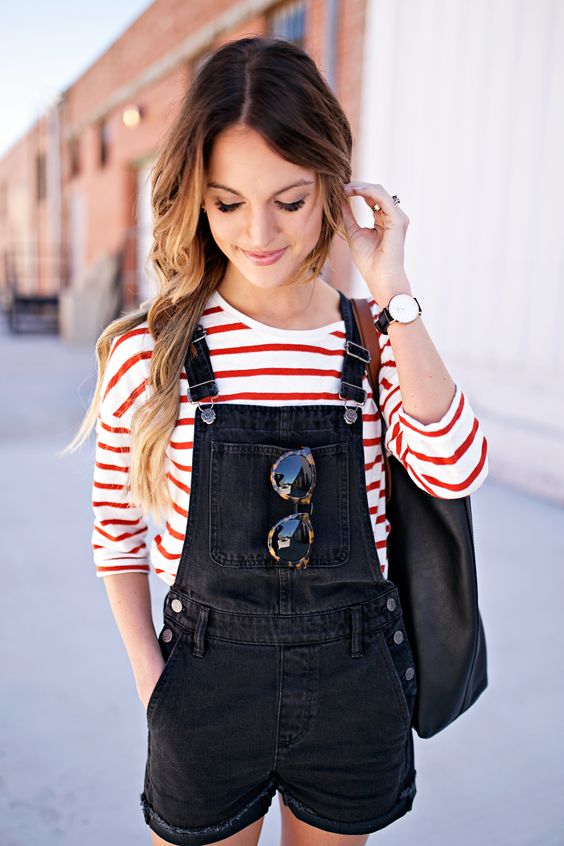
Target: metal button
[176,605]
[409,673]
[167,635]
[391,604]
[398,636]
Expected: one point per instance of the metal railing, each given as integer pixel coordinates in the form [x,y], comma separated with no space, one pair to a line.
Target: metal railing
[31,279]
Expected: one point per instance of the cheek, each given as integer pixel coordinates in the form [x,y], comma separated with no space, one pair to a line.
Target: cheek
[310,226]
[223,227]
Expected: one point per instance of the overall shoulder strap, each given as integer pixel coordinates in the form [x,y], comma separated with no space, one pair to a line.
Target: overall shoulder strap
[198,366]
[369,337]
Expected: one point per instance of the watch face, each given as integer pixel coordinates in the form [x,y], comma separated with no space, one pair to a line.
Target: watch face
[403,308]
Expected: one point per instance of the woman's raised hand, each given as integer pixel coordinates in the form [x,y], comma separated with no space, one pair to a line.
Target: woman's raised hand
[378,251]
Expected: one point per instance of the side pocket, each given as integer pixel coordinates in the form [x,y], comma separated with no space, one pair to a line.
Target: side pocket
[169,650]
[399,661]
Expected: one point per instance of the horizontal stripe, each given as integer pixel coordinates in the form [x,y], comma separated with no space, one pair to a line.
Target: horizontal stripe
[116,377]
[283,348]
[276,371]
[454,457]
[119,430]
[118,538]
[264,368]
[114,467]
[439,432]
[116,568]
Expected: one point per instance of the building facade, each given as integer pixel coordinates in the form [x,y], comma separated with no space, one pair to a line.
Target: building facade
[455,107]
[462,116]
[78,182]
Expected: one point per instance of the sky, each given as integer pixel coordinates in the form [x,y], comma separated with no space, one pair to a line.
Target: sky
[45,46]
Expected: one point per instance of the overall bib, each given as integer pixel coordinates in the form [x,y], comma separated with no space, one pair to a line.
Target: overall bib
[278,678]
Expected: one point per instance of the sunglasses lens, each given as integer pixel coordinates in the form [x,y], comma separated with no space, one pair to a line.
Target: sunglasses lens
[290,539]
[292,476]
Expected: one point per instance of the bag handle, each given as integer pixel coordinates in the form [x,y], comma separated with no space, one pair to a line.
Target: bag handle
[370,340]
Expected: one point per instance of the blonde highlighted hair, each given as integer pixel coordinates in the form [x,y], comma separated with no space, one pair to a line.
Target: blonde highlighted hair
[266,84]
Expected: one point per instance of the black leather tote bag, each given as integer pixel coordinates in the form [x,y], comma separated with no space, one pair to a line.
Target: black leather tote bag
[431,560]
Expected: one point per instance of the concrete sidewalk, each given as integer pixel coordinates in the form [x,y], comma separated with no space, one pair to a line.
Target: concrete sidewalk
[73,733]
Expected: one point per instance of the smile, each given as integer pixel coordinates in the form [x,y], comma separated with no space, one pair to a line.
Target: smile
[265,258]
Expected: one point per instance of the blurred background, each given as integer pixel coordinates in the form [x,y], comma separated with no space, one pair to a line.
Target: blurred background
[456,107]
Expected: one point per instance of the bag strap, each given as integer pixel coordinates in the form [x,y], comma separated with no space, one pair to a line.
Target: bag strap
[370,340]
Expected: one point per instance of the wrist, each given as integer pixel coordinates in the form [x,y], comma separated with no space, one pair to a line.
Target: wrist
[145,674]
[393,323]
[402,307]
[145,661]
[383,292]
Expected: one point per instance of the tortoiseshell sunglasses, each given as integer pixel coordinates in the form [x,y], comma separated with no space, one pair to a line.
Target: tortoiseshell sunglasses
[293,477]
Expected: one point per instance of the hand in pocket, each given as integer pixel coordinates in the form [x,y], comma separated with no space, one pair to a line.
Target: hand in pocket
[146,686]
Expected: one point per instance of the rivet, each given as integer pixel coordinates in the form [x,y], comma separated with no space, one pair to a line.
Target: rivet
[409,673]
[398,636]
[391,604]
[167,635]
[176,605]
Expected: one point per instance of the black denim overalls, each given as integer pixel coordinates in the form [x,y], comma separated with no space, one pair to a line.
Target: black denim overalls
[300,680]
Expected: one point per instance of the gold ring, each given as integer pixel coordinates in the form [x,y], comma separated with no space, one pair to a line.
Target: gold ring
[376,207]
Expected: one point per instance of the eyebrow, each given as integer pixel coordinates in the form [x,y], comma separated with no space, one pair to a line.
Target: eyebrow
[281,191]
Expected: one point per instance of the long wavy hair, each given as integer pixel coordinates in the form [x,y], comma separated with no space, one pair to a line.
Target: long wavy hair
[274,87]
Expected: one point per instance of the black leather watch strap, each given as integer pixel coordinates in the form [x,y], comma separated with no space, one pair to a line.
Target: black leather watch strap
[383,321]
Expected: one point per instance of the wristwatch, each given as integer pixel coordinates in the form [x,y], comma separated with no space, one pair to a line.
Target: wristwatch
[402,308]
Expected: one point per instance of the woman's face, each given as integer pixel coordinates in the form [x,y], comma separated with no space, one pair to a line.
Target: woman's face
[251,208]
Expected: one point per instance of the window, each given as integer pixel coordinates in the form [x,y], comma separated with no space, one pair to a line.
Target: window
[103,142]
[40,176]
[74,157]
[288,22]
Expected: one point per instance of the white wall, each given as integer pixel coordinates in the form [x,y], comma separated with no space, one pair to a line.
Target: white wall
[463,118]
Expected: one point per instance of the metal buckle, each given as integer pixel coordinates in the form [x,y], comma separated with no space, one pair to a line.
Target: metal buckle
[190,387]
[351,405]
[364,349]
[348,399]
[203,335]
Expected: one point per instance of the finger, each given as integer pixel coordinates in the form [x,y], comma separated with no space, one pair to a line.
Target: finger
[374,193]
[349,221]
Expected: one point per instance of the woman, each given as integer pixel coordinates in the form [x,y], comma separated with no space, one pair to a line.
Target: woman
[233,408]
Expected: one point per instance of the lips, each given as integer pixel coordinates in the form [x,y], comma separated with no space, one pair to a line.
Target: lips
[265,258]
[263,255]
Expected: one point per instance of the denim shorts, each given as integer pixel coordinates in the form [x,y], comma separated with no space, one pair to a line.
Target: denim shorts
[326,720]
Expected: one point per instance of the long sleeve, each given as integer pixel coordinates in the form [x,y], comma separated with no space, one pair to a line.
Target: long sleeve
[447,458]
[120,528]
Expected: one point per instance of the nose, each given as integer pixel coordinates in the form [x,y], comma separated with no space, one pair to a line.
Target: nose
[262,231]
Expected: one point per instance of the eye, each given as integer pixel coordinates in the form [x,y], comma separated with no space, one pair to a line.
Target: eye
[227,208]
[291,207]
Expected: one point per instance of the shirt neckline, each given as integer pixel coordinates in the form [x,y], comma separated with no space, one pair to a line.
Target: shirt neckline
[266,329]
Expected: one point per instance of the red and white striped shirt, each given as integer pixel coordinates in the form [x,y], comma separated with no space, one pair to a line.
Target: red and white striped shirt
[256,363]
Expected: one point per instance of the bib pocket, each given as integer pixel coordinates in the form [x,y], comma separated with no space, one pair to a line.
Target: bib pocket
[243,505]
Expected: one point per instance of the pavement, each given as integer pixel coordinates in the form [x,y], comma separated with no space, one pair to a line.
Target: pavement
[73,732]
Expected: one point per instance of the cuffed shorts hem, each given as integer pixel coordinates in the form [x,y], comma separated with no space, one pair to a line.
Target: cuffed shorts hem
[302,812]
[251,812]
